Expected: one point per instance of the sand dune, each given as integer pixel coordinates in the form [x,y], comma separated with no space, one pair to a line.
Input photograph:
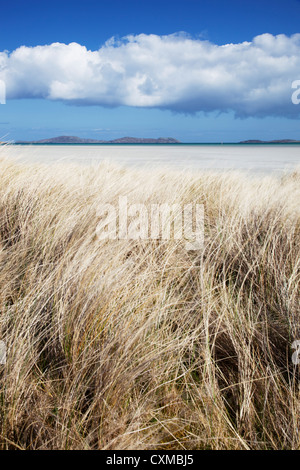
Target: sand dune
[141,344]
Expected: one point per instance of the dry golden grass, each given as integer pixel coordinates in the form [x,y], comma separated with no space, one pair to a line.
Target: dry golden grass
[141,344]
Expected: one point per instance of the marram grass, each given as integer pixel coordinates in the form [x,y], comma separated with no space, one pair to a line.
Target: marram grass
[128,344]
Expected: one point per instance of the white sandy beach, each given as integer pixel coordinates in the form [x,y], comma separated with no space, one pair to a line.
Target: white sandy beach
[258,158]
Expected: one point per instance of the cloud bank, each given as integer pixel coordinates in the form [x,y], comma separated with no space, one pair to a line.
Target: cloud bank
[171,72]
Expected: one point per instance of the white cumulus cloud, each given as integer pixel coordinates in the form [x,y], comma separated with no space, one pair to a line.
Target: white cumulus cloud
[172,72]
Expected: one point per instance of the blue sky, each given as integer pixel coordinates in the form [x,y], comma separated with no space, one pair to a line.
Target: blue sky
[48,95]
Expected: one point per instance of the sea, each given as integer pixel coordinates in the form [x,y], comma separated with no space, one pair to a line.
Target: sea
[259,158]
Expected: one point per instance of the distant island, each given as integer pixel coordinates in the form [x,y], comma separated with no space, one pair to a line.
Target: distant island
[283,141]
[67,139]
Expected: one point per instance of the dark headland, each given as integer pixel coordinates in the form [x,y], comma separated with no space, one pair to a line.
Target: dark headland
[67,139]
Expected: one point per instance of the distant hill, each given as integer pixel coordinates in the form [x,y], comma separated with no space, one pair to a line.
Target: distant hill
[136,140]
[283,141]
[67,139]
